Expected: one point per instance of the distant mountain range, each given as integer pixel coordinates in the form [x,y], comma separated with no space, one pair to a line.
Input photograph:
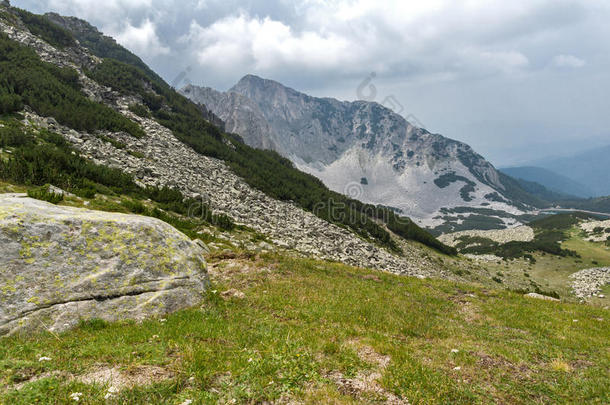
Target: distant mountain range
[590,170]
[364,150]
[562,186]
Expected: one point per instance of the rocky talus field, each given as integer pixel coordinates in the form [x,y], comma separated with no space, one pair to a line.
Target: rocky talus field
[519,234]
[167,161]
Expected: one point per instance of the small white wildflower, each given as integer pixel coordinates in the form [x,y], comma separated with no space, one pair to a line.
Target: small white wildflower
[455,351]
[250,360]
[113,390]
[214,291]
[574,320]
[187,402]
[458,368]
[44,358]
[162,320]
[75,396]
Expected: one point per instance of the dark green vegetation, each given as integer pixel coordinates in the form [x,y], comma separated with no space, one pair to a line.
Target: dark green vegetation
[307,320]
[97,43]
[140,110]
[446,179]
[542,192]
[45,29]
[550,232]
[463,223]
[43,193]
[560,222]
[466,218]
[53,91]
[10,102]
[42,158]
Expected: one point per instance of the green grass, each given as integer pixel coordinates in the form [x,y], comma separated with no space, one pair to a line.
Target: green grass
[301,320]
[553,272]
[590,251]
[547,272]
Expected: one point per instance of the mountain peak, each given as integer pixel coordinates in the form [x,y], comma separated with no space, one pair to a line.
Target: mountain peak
[254,86]
[250,79]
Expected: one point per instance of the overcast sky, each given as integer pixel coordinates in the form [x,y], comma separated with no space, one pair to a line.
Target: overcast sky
[515,79]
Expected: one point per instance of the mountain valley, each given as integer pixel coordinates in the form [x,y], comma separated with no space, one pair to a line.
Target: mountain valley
[264,246]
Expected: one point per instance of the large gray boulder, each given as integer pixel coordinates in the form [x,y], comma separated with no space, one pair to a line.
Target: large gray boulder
[59,265]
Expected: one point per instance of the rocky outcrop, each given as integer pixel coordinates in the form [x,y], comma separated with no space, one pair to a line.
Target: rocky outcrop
[541,297]
[518,234]
[74,57]
[59,265]
[588,283]
[240,115]
[596,231]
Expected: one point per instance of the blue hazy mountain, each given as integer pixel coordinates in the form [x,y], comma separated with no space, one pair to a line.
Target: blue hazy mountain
[551,180]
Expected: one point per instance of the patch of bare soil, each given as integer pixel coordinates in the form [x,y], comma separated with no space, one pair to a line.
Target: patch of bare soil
[469,312]
[365,386]
[237,271]
[108,376]
[232,293]
[371,277]
[126,378]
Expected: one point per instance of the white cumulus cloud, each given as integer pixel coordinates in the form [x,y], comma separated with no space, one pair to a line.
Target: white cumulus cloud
[264,43]
[142,40]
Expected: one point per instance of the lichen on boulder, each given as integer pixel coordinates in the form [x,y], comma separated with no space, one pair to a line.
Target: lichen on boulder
[60,265]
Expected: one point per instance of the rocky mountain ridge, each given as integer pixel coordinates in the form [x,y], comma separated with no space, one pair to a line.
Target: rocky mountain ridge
[361,149]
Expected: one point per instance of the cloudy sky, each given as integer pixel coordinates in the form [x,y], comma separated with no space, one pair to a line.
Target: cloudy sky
[517,79]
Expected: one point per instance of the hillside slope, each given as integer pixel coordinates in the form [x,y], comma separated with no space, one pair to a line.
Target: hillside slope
[143,127]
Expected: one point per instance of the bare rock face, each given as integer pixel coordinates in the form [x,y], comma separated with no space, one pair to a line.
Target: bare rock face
[361,149]
[59,265]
